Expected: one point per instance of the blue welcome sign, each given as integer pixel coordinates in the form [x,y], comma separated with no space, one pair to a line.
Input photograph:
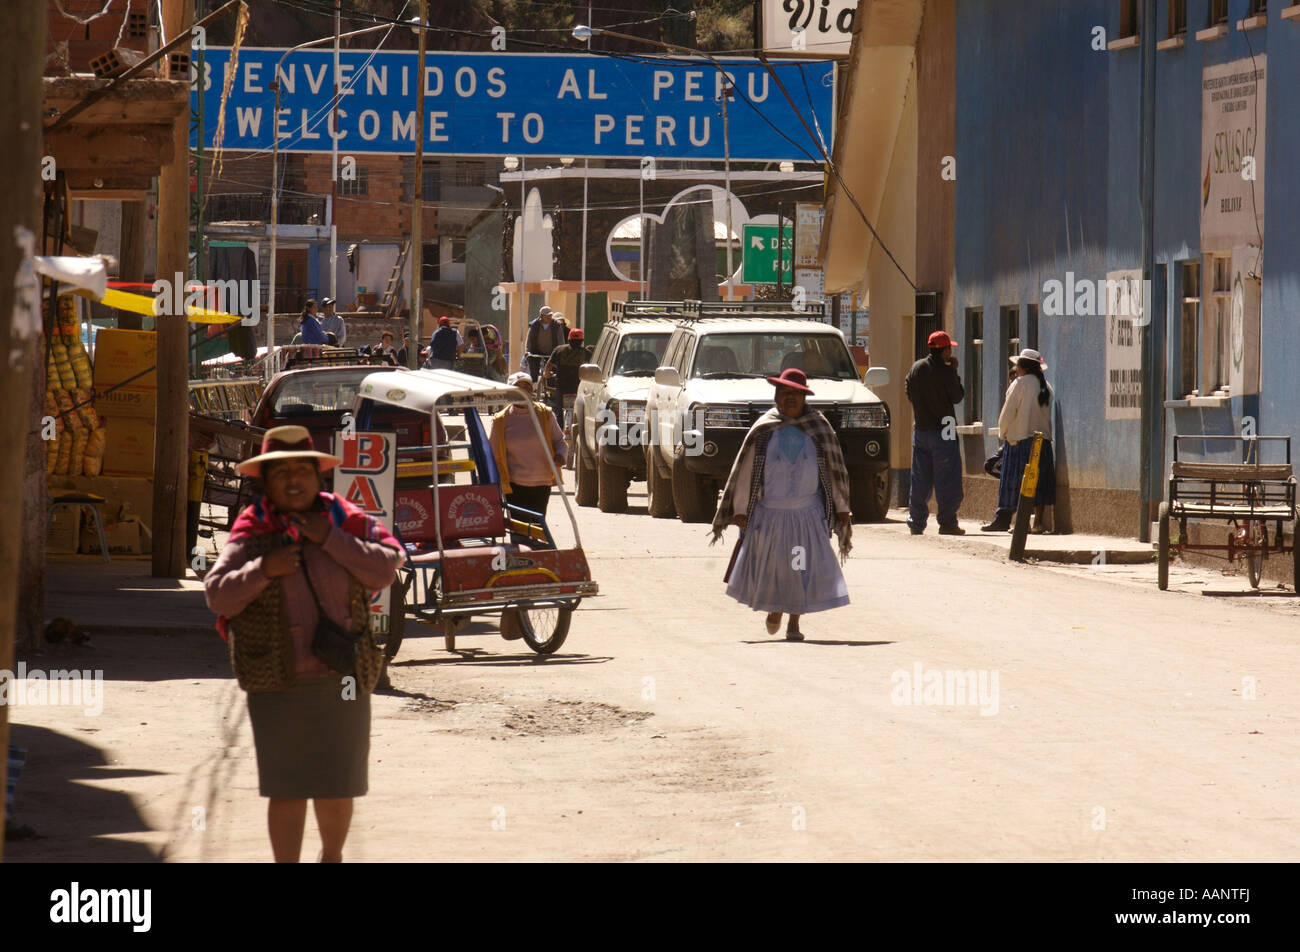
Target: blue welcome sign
[520,104]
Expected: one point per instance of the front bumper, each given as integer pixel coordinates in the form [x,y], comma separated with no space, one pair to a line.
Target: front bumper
[713,450]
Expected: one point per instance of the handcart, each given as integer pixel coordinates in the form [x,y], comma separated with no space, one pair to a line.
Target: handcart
[1254,498]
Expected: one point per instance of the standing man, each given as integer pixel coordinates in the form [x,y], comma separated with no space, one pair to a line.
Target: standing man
[544,335]
[444,347]
[564,362]
[933,386]
[312,332]
[332,323]
[406,346]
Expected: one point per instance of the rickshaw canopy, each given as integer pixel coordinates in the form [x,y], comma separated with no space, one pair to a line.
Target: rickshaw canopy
[429,390]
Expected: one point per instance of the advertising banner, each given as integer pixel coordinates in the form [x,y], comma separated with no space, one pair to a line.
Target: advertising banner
[1124,326]
[366,478]
[820,27]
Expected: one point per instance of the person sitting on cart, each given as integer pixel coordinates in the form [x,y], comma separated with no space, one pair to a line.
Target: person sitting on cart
[564,363]
[524,463]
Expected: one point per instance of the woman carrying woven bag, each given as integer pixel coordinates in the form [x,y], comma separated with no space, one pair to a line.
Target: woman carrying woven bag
[295,575]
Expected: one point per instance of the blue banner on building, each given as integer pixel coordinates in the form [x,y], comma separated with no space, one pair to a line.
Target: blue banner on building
[521,104]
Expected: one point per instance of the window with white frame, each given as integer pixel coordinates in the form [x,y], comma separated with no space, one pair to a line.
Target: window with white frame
[1215,346]
[1189,294]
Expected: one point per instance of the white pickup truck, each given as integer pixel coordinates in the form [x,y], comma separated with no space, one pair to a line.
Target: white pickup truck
[713,386]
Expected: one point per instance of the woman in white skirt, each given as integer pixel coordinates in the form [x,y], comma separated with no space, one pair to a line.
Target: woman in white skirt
[788,491]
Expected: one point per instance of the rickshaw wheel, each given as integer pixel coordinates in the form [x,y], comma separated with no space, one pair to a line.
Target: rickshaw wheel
[1162,549]
[544,629]
[1257,536]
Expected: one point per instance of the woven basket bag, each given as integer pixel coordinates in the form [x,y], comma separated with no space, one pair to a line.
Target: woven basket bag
[261,651]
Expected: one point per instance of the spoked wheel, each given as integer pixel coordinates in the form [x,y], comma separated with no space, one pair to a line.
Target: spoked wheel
[544,627]
[1162,549]
[1257,539]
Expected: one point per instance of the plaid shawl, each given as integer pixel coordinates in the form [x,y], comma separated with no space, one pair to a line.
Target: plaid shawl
[261,518]
[831,470]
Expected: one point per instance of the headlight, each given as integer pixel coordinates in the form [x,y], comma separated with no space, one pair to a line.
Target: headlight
[732,417]
[865,418]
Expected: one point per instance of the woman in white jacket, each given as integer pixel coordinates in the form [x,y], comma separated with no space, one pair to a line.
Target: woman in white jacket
[1026,410]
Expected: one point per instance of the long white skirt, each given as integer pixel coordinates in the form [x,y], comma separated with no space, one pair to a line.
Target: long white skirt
[786,563]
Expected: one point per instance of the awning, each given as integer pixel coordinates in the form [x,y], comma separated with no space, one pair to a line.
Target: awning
[872,95]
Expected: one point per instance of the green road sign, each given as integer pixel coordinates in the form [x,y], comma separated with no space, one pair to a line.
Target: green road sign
[761,253]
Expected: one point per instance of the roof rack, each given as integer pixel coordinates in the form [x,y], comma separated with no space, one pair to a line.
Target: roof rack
[692,310]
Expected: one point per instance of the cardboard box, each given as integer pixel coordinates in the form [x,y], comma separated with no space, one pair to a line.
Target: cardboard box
[127,496]
[121,355]
[64,533]
[137,402]
[122,538]
[130,447]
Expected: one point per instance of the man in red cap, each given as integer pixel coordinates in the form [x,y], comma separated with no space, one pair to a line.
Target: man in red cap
[444,347]
[933,386]
[564,363]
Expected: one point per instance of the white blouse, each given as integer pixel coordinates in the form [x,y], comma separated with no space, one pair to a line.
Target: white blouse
[1022,414]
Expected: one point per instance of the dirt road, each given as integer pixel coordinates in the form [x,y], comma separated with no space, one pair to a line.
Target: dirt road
[1105,720]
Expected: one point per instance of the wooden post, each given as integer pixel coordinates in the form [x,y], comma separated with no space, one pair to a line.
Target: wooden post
[1025,505]
[22,46]
[417,206]
[171,452]
[131,265]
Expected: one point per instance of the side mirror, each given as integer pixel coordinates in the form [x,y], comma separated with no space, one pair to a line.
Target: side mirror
[590,373]
[876,377]
[668,377]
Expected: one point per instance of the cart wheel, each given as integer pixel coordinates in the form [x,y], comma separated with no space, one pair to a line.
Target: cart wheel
[1295,557]
[1162,571]
[396,623]
[544,629]
[1257,538]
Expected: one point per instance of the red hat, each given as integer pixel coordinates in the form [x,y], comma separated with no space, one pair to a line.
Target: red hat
[575,334]
[939,340]
[444,320]
[791,377]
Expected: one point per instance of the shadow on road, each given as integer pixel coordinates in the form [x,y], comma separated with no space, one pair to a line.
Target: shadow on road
[76,819]
[472,656]
[815,641]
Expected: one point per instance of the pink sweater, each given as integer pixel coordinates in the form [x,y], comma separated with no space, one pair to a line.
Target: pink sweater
[235,581]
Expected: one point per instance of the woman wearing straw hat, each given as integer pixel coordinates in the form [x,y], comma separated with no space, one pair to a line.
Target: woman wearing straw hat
[297,559]
[1026,410]
[788,492]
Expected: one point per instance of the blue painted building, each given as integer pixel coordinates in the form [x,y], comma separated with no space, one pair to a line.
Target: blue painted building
[1048,136]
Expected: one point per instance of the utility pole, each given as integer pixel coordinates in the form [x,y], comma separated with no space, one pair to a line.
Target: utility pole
[171,452]
[1152,335]
[334,173]
[22,53]
[417,207]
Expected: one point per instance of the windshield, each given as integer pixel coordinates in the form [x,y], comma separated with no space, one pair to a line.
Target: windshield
[766,355]
[640,354]
[325,391]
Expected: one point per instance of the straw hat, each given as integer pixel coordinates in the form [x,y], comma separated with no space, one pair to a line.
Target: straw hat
[1028,354]
[285,442]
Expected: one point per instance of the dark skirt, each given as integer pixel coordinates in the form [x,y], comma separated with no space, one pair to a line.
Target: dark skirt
[311,743]
[1014,460]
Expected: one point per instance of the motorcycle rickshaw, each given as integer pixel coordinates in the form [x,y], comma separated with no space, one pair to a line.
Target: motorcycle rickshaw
[469,552]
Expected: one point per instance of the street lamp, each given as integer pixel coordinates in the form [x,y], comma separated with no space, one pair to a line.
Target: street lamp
[584,33]
[275,158]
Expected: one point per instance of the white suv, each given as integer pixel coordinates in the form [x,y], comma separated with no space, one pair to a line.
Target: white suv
[609,411]
[713,387]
